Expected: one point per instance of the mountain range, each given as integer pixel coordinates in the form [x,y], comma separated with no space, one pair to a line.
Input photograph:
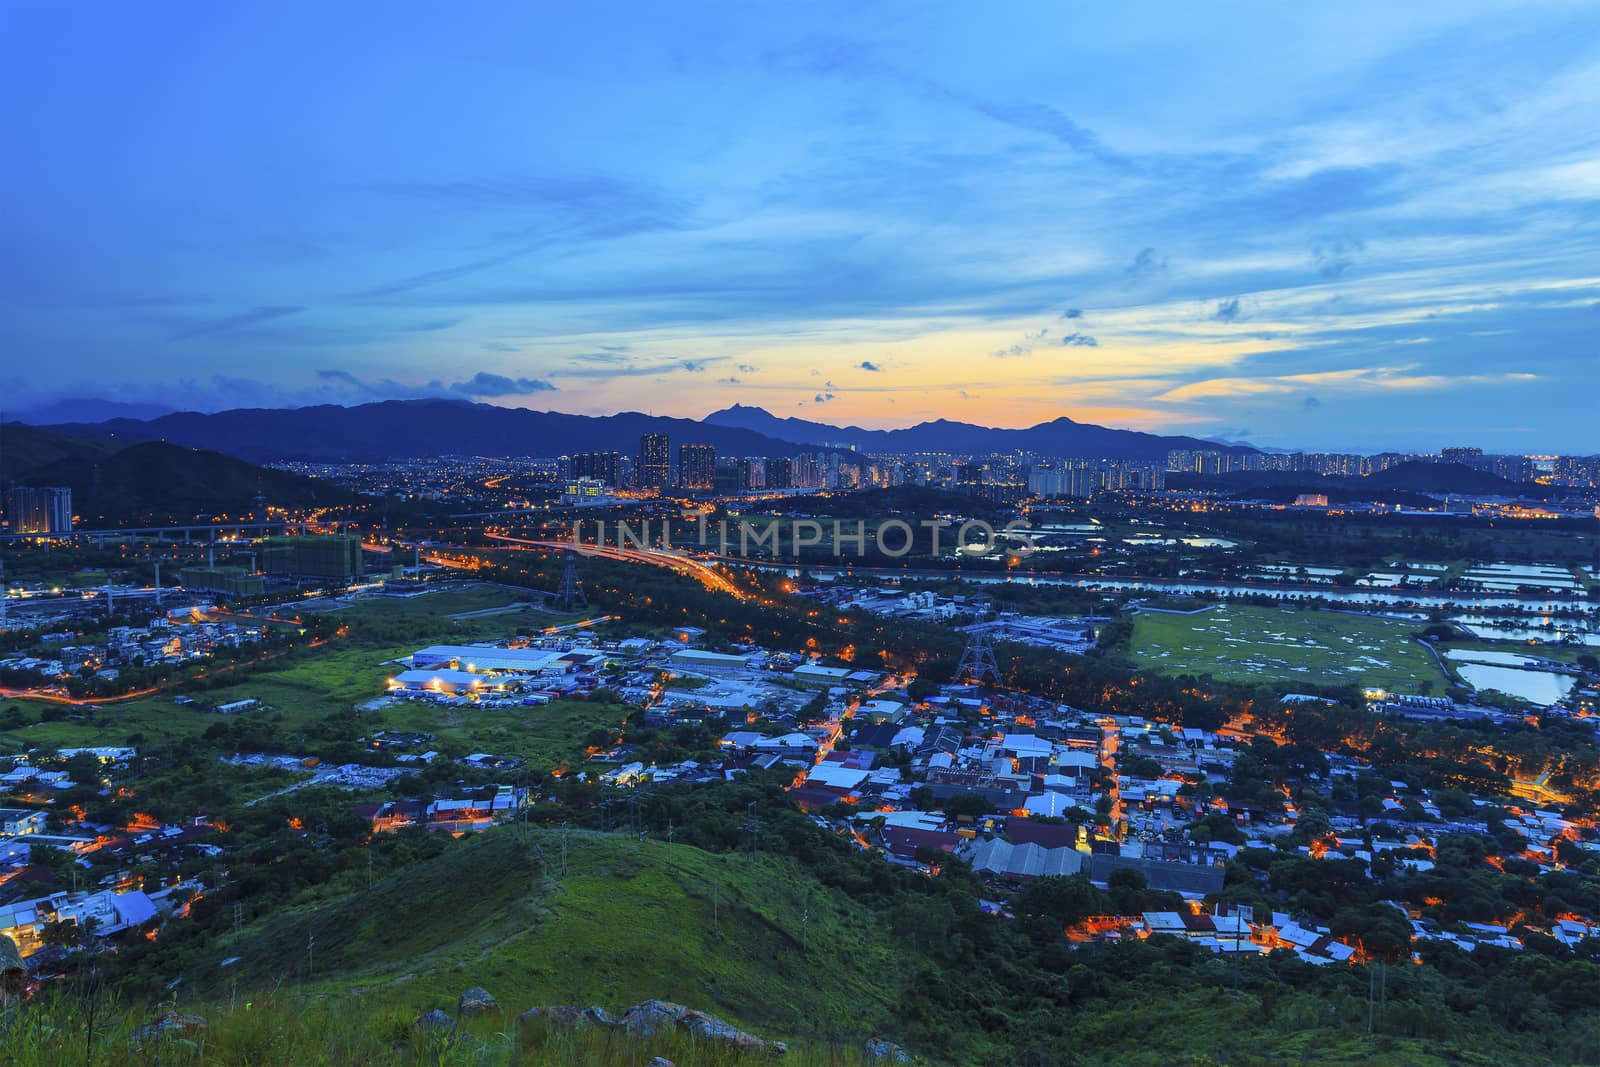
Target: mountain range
[1058,437]
[403,429]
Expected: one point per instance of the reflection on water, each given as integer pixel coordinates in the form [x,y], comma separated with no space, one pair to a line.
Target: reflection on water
[1536,687]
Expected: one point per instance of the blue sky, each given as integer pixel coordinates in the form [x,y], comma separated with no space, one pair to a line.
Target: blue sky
[1353,225]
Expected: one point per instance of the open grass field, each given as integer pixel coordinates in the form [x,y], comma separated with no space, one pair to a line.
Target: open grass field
[1272,645]
[546,737]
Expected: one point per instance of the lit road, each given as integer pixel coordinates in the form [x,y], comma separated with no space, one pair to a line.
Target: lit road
[705,573]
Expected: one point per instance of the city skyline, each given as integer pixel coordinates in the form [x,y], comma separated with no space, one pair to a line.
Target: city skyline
[1190,228]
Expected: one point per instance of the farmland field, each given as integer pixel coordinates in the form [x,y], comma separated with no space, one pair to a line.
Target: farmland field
[1243,643]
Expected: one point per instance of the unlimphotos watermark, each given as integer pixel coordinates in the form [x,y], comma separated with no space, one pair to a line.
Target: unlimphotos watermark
[780,539]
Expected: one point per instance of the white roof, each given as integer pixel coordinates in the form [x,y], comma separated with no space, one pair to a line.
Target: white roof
[700,655]
[812,670]
[444,677]
[910,737]
[490,657]
[1025,745]
[1054,805]
[1164,922]
[836,775]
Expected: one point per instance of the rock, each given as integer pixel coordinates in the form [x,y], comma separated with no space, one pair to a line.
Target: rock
[720,1031]
[597,1015]
[653,1017]
[554,1015]
[168,1027]
[476,1001]
[435,1020]
[879,1049]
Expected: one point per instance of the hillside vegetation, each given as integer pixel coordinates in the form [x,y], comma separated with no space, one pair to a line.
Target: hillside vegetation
[155,479]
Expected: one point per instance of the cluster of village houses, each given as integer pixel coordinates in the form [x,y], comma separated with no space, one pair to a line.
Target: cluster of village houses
[174,638]
[1033,783]
[1047,775]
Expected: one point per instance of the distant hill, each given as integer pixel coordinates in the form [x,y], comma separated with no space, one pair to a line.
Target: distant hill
[87,409]
[403,429]
[1410,484]
[156,480]
[1058,437]
[1454,478]
[399,429]
[25,449]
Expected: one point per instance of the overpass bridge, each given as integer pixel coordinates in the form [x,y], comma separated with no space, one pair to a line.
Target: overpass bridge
[202,532]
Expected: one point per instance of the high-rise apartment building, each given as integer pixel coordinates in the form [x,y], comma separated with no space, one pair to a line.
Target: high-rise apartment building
[654,469]
[39,510]
[602,466]
[697,466]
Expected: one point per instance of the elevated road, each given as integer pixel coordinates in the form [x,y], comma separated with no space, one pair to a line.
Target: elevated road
[707,574]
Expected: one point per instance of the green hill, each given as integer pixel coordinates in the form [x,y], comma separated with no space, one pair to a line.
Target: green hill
[154,480]
[762,941]
[757,940]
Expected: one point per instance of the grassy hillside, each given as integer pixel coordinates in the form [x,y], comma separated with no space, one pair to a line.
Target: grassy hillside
[756,939]
[759,940]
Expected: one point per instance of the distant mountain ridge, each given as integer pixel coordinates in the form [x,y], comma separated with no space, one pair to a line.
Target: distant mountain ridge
[1405,483]
[414,429]
[403,429]
[1058,437]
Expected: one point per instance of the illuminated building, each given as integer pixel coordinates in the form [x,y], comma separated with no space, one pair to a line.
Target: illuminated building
[697,466]
[655,464]
[44,510]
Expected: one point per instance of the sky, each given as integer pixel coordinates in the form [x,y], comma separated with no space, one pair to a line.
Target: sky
[1357,226]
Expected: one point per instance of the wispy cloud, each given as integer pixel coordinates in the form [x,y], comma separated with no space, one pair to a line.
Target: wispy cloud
[230,323]
[1146,265]
[1358,379]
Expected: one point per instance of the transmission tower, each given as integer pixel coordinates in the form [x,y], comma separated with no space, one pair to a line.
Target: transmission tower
[752,826]
[570,593]
[977,660]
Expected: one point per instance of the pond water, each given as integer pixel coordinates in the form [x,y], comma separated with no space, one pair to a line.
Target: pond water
[1536,687]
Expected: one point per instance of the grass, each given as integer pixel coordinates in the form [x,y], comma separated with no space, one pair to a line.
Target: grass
[757,940]
[279,1029]
[1557,653]
[1243,643]
[545,736]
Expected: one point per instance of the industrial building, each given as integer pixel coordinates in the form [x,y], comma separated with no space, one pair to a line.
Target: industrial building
[447,681]
[234,581]
[337,558]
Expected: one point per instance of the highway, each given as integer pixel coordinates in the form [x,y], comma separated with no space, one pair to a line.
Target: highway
[706,574]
